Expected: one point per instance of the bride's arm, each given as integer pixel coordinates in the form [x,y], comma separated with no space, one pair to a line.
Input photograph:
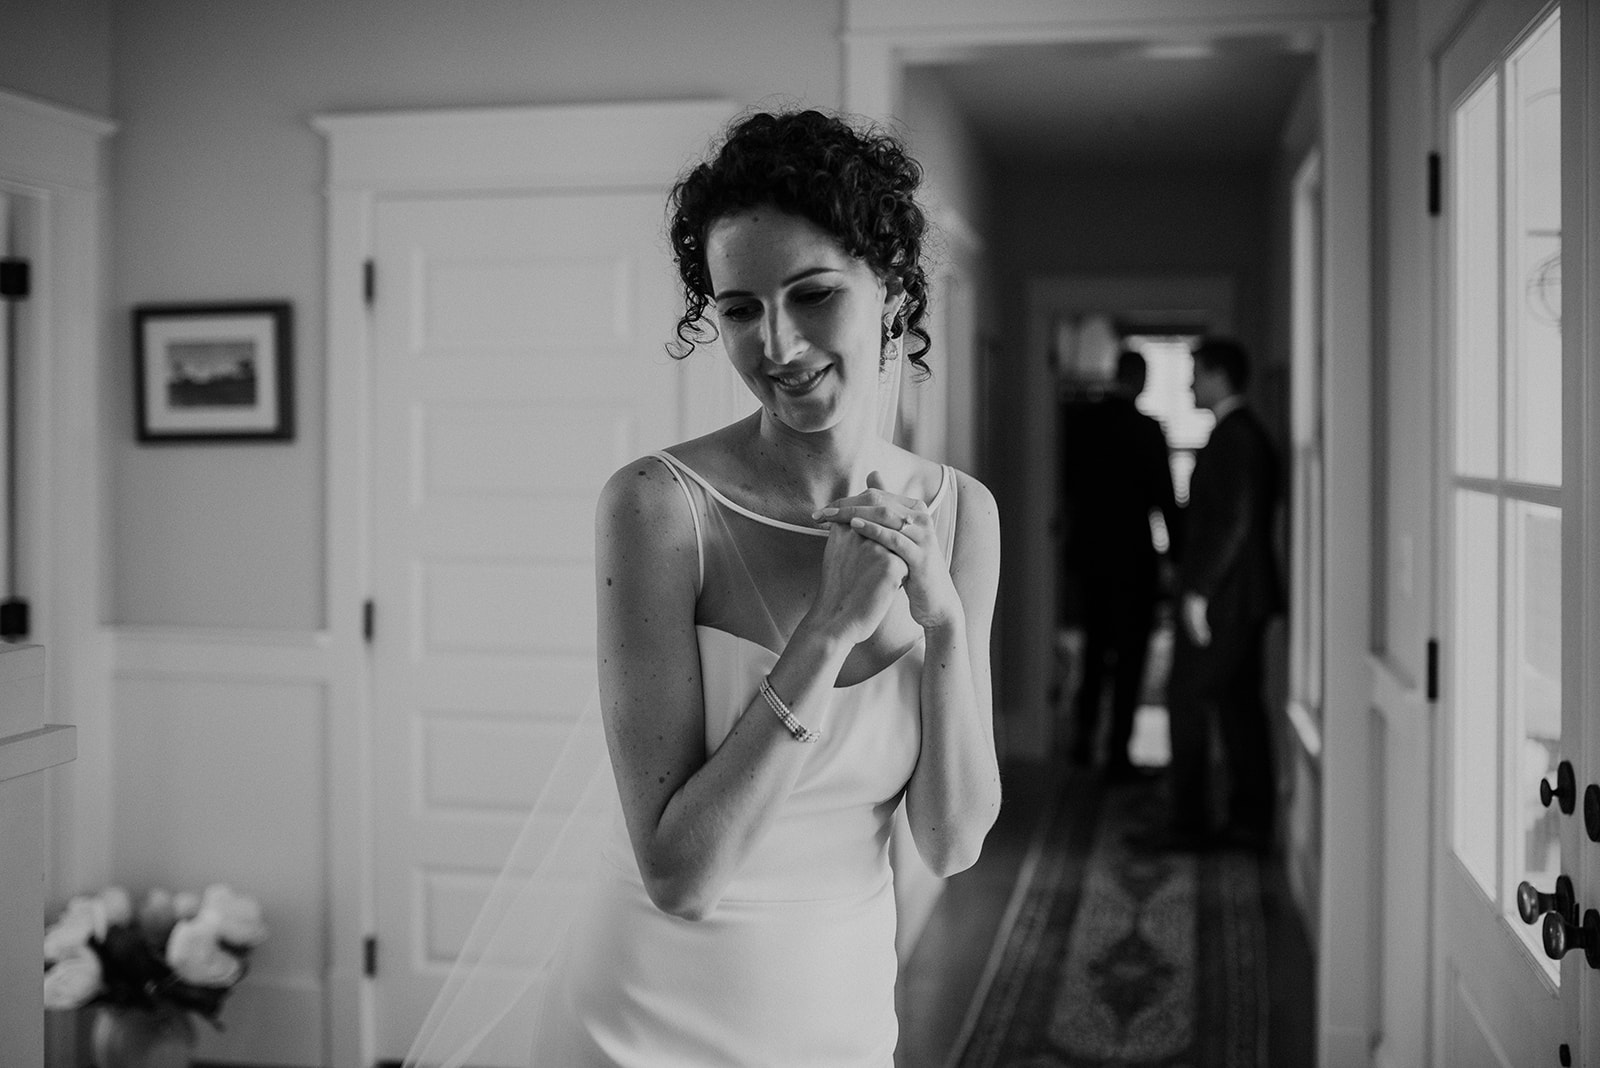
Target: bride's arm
[691,820]
[954,794]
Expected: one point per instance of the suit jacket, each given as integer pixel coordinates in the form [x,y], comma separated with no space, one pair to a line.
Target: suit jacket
[1115,471]
[1228,551]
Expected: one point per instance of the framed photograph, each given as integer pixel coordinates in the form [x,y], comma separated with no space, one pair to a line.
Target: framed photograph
[214,372]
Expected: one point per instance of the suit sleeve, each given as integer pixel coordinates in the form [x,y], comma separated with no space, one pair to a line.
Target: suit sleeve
[1241,496]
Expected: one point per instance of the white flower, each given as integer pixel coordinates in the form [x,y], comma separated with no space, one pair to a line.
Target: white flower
[69,934]
[195,955]
[118,906]
[90,911]
[238,917]
[186,905]
[73,980]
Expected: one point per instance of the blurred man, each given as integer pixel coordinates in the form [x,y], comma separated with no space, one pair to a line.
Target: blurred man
[1118,473]
[1228,589]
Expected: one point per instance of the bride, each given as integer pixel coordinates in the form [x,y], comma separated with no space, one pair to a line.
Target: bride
[794,620]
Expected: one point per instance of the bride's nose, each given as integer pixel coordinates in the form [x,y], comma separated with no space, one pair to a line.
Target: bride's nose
[780,340]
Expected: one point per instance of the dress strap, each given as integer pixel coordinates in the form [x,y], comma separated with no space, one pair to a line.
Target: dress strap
[673,465]
[948,485]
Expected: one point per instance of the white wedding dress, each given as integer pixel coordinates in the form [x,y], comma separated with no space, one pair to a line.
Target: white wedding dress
[796,964]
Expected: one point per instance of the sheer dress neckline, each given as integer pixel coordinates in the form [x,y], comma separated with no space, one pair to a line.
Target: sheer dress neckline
[734,506]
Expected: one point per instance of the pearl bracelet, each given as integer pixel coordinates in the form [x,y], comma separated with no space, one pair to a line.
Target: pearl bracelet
[801,732]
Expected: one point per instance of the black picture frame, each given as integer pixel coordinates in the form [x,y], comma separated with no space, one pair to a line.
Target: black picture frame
[214,371]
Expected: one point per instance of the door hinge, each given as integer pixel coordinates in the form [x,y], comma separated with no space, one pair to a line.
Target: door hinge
[14,279]
[1433,670]
[14,626]
[369,281]
[369,619]
[1435,184]
[369,956]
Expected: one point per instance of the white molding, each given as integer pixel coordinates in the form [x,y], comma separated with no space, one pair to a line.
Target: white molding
[1346,964]
[49,145]
[931,17]
[501,148]
[51,163]
[33,751]
[221,653]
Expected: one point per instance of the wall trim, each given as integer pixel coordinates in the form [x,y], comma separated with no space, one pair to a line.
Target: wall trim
[51,164]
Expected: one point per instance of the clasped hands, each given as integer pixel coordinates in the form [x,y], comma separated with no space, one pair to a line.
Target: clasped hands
[877,542]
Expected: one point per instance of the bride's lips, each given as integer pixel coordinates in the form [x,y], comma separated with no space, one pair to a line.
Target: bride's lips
[798,383]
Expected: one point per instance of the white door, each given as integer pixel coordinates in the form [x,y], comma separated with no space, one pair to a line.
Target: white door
[1509,561]
[518,360]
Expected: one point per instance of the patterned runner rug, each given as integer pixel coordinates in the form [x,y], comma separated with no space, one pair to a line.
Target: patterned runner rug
[1118,955]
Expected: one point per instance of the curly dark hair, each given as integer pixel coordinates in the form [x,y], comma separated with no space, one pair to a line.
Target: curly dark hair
[853,180]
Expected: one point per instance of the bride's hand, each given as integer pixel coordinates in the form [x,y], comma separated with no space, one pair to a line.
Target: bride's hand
[859,581]
[903,526]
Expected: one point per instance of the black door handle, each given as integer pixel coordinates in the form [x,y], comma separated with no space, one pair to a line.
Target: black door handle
[1565,791]
[1531,903]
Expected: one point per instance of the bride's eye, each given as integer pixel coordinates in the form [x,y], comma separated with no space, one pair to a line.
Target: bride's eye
[813,297]
[738,313]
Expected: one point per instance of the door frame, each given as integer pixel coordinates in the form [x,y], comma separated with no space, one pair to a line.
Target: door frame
[52,157]
[881,39]
[372,155]
[1580,50]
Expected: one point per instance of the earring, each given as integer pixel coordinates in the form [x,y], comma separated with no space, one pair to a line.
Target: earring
[894,346]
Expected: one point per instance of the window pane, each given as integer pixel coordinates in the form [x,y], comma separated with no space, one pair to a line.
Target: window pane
[1475,684]
[1533,275]
[1533,677]
[1476,249]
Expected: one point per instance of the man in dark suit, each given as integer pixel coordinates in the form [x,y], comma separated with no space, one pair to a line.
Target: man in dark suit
[1117,473]
[1228,589]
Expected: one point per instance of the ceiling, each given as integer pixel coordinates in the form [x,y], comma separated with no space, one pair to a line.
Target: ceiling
[1126,103]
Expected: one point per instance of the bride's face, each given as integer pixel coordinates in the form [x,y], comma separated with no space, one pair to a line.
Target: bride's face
[801,319]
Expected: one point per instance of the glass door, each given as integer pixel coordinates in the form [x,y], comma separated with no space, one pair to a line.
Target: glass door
[1505,515]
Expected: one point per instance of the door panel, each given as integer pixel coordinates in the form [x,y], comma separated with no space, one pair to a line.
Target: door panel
[1504,506]
[518,360]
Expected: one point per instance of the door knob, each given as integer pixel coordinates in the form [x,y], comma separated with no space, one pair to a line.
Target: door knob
[1565,791]
[1562,936]
[1591,812]
[1531,904]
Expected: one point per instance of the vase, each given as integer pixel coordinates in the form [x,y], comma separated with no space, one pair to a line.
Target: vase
[142,1038]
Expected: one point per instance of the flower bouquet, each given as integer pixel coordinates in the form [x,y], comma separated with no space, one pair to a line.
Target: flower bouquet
[176,954]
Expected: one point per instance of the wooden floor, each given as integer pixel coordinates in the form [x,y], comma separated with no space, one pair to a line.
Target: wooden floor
[938,985]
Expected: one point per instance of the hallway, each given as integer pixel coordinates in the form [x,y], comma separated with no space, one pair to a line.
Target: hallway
[956,962]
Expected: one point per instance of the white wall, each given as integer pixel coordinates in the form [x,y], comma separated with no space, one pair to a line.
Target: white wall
[59,51]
